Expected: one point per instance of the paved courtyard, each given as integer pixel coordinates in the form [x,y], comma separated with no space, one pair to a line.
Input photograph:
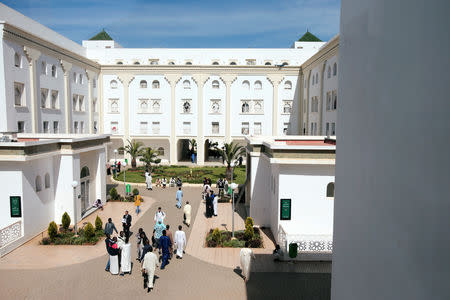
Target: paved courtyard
[197,276]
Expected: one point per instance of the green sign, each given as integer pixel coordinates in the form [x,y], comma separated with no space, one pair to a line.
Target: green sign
[16,207]
[128,188]
[285,209]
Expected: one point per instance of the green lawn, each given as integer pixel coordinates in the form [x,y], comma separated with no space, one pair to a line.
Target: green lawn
[187,174]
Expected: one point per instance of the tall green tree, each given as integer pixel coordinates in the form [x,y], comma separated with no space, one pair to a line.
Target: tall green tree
[231,153]
[134,149]
[150,156]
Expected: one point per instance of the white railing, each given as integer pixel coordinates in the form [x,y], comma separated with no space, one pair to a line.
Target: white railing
[10,233]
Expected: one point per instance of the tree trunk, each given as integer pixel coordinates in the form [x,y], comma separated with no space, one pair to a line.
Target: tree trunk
[228,173]
[133,163]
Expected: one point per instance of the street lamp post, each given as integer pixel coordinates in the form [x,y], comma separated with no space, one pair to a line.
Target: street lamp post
[74,185]
[115,163]
[233,187]
[124,186]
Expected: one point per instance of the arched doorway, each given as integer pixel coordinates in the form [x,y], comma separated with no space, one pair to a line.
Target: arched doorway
[184,150]
[84,184]
[211,154]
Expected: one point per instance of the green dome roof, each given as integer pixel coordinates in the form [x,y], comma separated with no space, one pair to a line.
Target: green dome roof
[101,36]
[309,37]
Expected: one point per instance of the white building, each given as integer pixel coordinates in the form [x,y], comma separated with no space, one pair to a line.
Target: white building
[162,97]
[36,175]
[290,189]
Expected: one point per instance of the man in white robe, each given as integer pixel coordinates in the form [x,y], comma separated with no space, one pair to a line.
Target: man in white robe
[180,242]
[125,261]
[215,203]
[187,214]
[149,265]
[114,257]
[159,215]
[148,180]
[246,256]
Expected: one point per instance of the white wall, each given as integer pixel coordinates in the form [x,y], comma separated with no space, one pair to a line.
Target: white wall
[210,93]
[391,231]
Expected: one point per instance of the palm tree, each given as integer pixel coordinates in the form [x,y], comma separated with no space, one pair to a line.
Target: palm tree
[231,153]
[210,147]
[134,149]
[150,156]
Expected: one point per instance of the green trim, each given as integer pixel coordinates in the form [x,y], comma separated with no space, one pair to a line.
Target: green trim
[309,37]
[101,36]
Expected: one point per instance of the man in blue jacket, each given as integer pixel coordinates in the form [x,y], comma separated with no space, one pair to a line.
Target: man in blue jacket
[164,244]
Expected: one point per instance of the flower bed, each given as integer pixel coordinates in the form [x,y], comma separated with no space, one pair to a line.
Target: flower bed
[222,238]
[69,238]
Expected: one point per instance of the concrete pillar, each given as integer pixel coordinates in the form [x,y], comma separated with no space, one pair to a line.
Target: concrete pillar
[228,79]
[91,76]
[126,80]
[67,96]
[101,125]
[172,79]
[200,79]
[308,78]
[32,56]
[275,80]
[100,178]
[321,98]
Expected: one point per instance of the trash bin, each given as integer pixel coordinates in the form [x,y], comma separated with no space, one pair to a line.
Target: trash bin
[293,247]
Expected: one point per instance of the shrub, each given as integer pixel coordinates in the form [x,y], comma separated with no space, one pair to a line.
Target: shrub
[113,193]
[248,221]
[256,242]
[46,241]
[216,236]
[89,231]
[52,230]
[135,191]
[249,233]
[98,223]
[65,221]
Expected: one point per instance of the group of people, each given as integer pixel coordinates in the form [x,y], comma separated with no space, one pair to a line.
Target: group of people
[210,198]
[172,182]
[113,169]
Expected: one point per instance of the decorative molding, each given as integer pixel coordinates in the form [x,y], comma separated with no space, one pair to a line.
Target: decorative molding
[90,74]
[126,79]
[10,233]
[31,54]
[66,66]
[275,79]
[228,79]
[172,78]
[200,79]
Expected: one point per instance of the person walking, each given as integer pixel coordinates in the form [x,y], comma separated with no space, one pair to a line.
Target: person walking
[126,223]
[164,182]
[215,202]
[137,202]
[140,242]
[164,246]
[246,256]
[118,166]
[113,251]
[187,214]
[110,227]
[159,215]
[170,235]
[179,197]
[158,231]
[148,180]
[125,261]
[108,242]
[149,264]
[180,242]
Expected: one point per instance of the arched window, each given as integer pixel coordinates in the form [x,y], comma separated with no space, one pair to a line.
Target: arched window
[215,63]
[47,180]
[155,84]
[285,64]
[334,69]
[38,183]
[330,190]
[245,107]
[156,106]
[53,71]
[186,107]
[17,60]
[288,85]
[232,63]
[187,84]
[144,105]
[188,63]
[137,63]
[215,84]
[80,81]
[287,108]
[143,84]
[171,63]
[313,79]
[246,84]
[268,63]
[329,72]
[317,78]
[119,63]
[114,106]
[161,151]
[84,172]
[113,84]
[74,77]
[258,85]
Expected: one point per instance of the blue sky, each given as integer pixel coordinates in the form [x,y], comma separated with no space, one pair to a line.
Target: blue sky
[187,24]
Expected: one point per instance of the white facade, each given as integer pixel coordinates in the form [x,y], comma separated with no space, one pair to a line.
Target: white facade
[300,169]
[43,178]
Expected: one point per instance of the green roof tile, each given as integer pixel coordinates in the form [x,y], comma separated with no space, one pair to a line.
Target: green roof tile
[101,36]
[309,37]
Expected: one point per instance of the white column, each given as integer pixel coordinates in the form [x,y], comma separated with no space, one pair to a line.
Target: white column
[228,79]
[101,125]
[308,78]
[275,80]
[67,95]
[100,177]
[321,100]
[126,80]
[200,79]
[173,79]
[32,56]
[91,76]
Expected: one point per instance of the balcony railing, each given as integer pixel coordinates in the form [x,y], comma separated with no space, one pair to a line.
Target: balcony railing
[10,233]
